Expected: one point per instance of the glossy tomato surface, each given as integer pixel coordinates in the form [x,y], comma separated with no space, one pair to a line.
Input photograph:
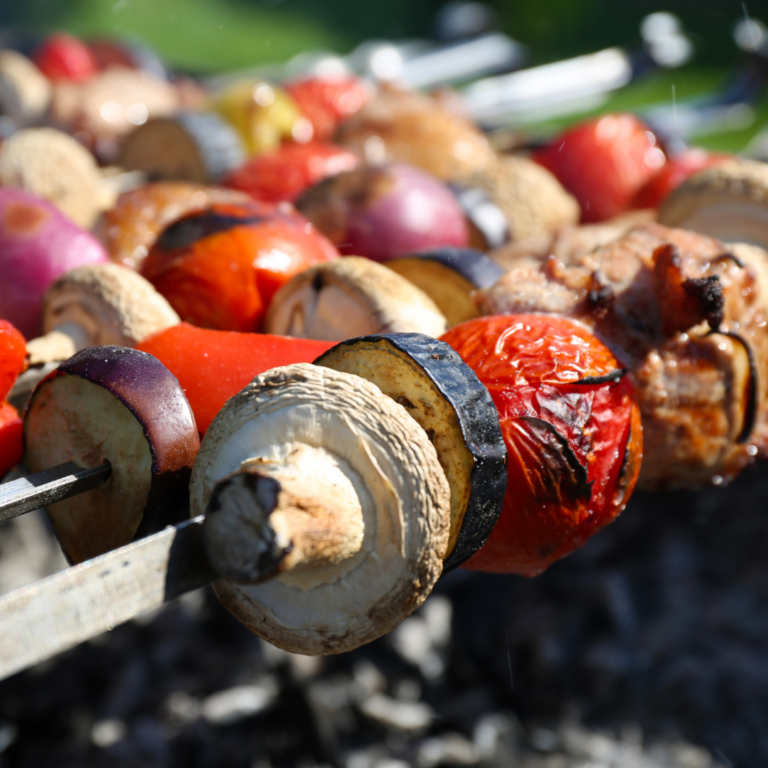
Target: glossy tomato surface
[284,173]
[572,430]
[604,162]
[219,268]
[211,366]
[13,353]
[326,101]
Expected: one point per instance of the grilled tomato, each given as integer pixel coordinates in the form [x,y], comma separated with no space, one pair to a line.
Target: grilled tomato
[220,267]
[572,431]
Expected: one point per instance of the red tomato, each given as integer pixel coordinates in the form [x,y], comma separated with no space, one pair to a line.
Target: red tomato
[603,163]
[11,443]
[211,366]
[674,172]
[219,268]
[13,357]
[326,101]
[63,57]
[283,174]
[572,430]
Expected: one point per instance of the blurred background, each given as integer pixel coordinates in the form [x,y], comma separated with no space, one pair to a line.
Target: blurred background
[648,648]
[205,36]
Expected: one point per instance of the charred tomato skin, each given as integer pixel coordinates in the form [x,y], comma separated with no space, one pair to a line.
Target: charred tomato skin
[155,398]
[572,430]
[471,406]
[219,268]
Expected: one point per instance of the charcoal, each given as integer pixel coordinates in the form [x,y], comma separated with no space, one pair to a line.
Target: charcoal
[648,648]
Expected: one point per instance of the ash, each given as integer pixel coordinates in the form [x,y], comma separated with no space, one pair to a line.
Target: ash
[646,649]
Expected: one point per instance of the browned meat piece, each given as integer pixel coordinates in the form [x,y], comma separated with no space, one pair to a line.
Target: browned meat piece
[685,301]
[568,243]
[688,318]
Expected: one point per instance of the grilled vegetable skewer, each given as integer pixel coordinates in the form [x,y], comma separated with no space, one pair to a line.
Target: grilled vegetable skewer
[300,435]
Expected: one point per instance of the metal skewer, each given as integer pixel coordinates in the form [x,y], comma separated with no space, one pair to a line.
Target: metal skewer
[50,485]
[58,612]
[584,82]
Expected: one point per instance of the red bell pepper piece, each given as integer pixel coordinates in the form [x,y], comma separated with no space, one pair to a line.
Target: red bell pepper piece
[211,366]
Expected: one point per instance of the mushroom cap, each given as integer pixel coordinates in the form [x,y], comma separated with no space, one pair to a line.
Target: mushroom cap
[533,201]
[25,91]
[426,131]
[729,202]
[394,471]
[52,165]
[113,304]
[352,296]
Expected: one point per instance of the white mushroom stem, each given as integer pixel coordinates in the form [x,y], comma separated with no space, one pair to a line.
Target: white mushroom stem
[98,304]
[298,515]
[59,344]
[318,479]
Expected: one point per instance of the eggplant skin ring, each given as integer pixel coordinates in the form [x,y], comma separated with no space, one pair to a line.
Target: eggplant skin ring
[443,394]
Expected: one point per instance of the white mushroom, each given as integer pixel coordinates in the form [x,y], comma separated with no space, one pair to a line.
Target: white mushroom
[533,201]
[54,166]
[729,202]
[350,297]
[98,304]
[317,481]
[25,91]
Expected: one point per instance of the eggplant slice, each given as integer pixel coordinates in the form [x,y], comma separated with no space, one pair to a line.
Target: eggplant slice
[442,393]
[449,277]
[199,147]
[124,406]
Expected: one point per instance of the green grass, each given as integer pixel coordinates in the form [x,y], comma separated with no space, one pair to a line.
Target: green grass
[216,35]
[199,35]
[656,89]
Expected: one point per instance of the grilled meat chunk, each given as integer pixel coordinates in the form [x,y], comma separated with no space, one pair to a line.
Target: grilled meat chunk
[687,316]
